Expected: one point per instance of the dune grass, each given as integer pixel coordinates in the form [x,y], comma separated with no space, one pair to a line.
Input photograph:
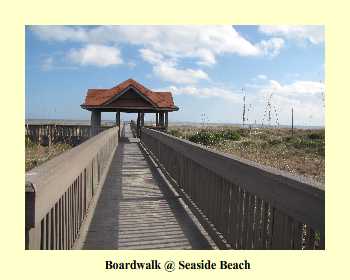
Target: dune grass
[36,154]
[302,153]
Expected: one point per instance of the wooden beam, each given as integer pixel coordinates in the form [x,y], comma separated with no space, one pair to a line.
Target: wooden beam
[117,120]
[161,119]
[166,120]
[95,122]
[142,119]
[138,124]
[129,109]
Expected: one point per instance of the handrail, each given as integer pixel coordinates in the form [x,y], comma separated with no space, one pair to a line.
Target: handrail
[58,192]
[59,133]
[250,205]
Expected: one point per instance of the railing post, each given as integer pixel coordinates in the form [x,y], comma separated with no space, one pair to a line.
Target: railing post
[29,210]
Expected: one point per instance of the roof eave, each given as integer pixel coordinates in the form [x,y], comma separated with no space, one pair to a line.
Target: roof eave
[99,107]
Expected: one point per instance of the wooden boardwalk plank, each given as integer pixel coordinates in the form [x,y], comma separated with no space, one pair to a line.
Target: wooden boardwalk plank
[136,211]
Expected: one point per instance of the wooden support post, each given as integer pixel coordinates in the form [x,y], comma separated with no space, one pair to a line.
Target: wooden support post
[29,211]
[117,120]
[166,120]
[138,124]
[157,119]
[95,122]
[142,119]
[161,119]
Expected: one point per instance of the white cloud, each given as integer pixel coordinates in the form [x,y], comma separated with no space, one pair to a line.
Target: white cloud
[271,47]
[167,69]
[169,72]
[97,55]
[262,77]
[60,33]
[305,97]
[131,64]
[151,56]
[206,57]
[202,43]
[47,64]
[295,89]
[207,92]
[312,33]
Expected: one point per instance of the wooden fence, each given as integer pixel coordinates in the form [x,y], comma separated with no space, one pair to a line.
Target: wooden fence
[47,134]
[58,192]
[246,205]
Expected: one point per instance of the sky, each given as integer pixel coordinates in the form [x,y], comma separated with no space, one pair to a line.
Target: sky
[210,70]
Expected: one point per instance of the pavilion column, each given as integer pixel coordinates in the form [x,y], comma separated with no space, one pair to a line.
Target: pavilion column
[138,124]
[142,119]
[161,119]
[117,122]
[166,120]
[95,122]
[157,119]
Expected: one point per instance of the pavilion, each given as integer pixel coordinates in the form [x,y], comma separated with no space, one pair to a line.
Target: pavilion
[129,97]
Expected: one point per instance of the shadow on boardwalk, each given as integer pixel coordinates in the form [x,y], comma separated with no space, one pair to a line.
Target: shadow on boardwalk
[136,211]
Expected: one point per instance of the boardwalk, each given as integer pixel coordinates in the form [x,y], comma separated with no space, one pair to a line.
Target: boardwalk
[136,209]
[109,194]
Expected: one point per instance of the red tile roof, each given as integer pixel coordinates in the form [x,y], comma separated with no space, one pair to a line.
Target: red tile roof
[100,97]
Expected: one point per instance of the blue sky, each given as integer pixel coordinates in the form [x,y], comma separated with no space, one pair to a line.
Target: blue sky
[205,67]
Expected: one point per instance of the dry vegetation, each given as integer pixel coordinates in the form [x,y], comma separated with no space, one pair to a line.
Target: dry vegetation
[302,153]
[36,154]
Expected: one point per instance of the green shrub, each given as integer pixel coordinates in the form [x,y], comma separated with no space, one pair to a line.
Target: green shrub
[175,132]
[263,136]
[203,137]
[288,139]
[316,136]
[206,137]
[247,143]
[231,135]
[244,132]
[275,141]
[309,145]
[264,145]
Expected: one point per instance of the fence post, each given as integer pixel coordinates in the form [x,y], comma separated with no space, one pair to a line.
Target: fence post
[29,210]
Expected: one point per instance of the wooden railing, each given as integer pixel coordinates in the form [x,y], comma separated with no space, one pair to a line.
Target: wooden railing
[133,128]
[246,205]
[47,134]
[58,192]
